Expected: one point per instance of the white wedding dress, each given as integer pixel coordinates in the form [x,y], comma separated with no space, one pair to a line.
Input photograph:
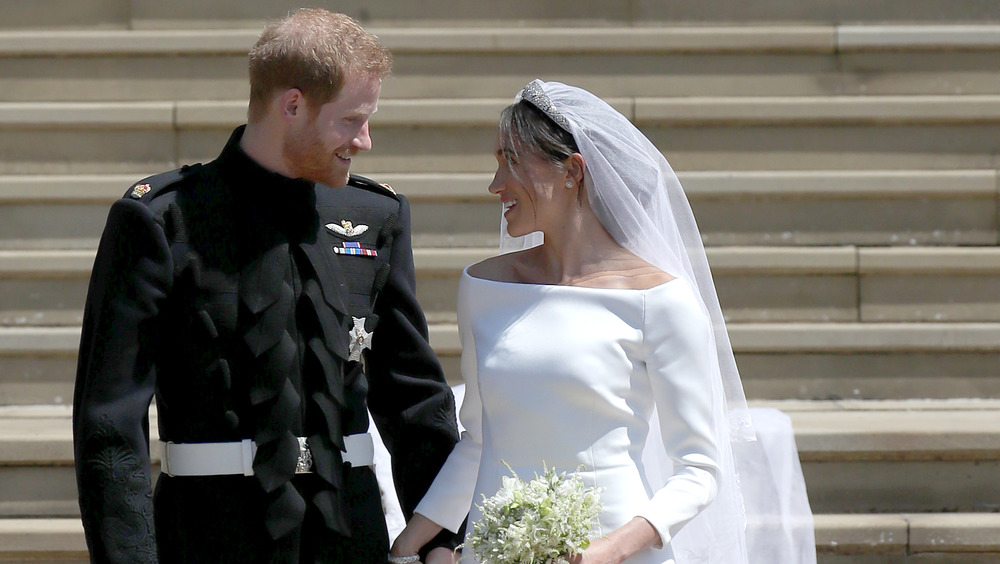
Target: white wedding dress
[568,377]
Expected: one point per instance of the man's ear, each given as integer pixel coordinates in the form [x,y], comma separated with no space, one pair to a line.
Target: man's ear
[292,104]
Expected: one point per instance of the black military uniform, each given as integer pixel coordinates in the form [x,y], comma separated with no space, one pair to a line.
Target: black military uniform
[243,300]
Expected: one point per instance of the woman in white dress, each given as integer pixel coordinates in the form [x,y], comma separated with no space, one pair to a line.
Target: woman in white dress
[601,349]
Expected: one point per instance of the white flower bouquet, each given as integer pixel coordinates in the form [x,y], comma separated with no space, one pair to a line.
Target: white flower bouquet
[536,522]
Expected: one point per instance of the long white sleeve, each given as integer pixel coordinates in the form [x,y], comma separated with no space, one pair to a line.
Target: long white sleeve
[678,347]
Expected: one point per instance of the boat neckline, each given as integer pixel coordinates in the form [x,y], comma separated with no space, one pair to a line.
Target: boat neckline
[465,272]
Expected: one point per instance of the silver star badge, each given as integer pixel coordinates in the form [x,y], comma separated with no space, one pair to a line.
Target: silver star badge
[347,228]
[360,339]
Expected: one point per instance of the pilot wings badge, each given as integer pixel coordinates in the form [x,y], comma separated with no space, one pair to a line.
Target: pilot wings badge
[347,229]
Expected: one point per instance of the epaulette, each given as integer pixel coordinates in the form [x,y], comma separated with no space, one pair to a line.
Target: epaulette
[369,184]
[149,187]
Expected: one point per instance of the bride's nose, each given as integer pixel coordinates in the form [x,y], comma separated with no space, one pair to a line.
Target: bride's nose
[496,185]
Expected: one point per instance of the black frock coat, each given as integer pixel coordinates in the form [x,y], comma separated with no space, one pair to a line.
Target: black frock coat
[235,296]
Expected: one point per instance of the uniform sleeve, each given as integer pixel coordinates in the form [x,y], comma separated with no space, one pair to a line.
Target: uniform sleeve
[115,383]
[679,358]
[450,496]
[409,398]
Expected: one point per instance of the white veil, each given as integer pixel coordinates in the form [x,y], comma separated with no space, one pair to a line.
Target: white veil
[639,200]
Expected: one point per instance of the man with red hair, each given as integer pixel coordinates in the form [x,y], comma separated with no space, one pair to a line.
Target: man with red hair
[241,294]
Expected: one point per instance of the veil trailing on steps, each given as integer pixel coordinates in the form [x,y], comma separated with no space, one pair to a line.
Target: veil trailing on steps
[761,513]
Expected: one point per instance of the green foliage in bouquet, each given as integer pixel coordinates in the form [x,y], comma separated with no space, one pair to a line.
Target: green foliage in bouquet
[536,522]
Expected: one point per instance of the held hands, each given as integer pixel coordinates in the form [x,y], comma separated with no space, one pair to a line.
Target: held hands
[437,556]
[418,532]
[442,556]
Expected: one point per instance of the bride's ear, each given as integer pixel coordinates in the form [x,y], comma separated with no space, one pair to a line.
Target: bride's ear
[575,165]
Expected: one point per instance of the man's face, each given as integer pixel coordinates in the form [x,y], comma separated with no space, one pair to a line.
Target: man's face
[319,147]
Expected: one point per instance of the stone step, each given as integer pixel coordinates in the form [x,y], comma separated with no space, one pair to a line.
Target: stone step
[778,361]
[910,456]
[913,538]
[787,60]
[43,541]
[455,135]
[44,287]
[59,14]
[482,13]
[857,457]
[518,12]
[840,539]
[821,207]
[755,284]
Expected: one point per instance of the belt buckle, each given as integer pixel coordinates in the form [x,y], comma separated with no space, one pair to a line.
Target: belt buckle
[305,462]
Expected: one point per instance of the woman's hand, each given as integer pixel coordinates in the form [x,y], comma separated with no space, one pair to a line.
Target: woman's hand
[600,551]
[418,532]
[633,537]
[442,556]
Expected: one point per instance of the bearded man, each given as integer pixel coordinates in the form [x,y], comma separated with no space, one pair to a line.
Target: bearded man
[266,300]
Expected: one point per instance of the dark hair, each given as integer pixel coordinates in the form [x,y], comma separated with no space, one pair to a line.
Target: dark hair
[312,50]
[526,129]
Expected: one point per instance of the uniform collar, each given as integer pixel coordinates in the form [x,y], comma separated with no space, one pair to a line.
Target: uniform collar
[287,203]
[240,167]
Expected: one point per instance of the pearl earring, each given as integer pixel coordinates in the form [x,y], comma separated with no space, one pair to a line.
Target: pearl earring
[569,183]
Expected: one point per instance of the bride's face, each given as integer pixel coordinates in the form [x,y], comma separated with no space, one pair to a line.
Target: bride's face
[529,189]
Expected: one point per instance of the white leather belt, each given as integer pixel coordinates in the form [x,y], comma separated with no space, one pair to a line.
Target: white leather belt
[221,459]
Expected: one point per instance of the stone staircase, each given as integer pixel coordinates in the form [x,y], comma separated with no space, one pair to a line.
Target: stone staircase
[842,158]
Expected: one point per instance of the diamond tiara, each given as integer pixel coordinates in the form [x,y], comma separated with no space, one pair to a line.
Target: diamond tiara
[534,95]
